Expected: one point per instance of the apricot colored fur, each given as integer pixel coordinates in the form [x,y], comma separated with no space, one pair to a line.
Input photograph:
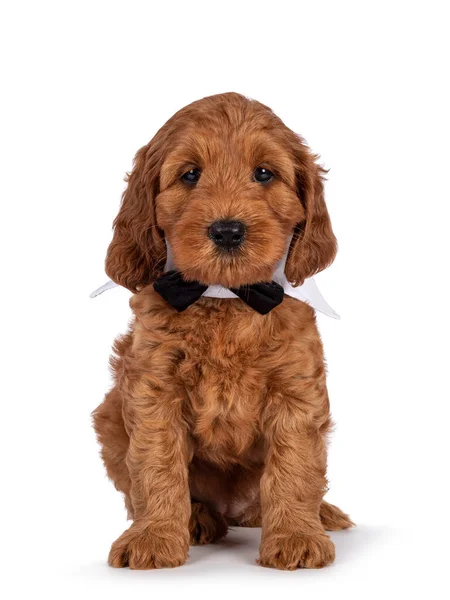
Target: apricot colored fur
[219,415]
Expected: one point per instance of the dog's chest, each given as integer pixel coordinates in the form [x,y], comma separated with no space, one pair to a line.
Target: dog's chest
[224,380]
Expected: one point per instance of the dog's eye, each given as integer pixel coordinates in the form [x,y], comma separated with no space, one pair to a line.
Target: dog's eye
[191,176]
[262,175]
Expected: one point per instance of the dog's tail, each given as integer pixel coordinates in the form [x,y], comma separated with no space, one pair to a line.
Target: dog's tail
[333,519]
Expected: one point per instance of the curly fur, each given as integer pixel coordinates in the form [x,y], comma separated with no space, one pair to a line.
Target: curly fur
[219,415]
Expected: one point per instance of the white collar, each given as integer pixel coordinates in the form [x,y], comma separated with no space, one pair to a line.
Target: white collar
[307,292]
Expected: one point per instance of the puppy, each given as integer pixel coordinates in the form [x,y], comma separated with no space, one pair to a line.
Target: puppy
[219,412]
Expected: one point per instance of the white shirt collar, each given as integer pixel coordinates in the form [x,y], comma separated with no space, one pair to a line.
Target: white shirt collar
[307,292]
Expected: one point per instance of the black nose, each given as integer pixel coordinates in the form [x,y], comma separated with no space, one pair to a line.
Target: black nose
[227,234]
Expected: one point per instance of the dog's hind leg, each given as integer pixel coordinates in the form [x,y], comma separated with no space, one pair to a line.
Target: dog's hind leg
[114,441]
[206,525]
[332,517]
[251,517]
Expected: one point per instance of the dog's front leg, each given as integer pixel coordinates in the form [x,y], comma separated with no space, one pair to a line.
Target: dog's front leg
[157,461]
[293,483]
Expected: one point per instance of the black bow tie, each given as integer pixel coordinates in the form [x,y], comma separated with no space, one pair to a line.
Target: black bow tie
[180,294]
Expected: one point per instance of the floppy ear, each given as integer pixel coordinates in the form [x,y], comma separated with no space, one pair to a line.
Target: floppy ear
[137,253]
[313,246]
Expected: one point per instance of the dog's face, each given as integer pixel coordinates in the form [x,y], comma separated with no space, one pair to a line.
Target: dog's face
[226,183]
[227,200]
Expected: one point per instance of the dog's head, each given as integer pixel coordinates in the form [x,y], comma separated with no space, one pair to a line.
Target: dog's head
[227,184]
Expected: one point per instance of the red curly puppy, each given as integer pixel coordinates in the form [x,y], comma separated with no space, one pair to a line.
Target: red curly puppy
[219,412]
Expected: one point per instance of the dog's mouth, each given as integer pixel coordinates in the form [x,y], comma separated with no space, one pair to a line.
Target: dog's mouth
[233,267]
[228,254]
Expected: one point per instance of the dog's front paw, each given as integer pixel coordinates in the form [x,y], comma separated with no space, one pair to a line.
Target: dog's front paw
[140,548]
[297,550]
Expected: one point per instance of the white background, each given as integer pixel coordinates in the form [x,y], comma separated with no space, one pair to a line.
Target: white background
[84,85]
